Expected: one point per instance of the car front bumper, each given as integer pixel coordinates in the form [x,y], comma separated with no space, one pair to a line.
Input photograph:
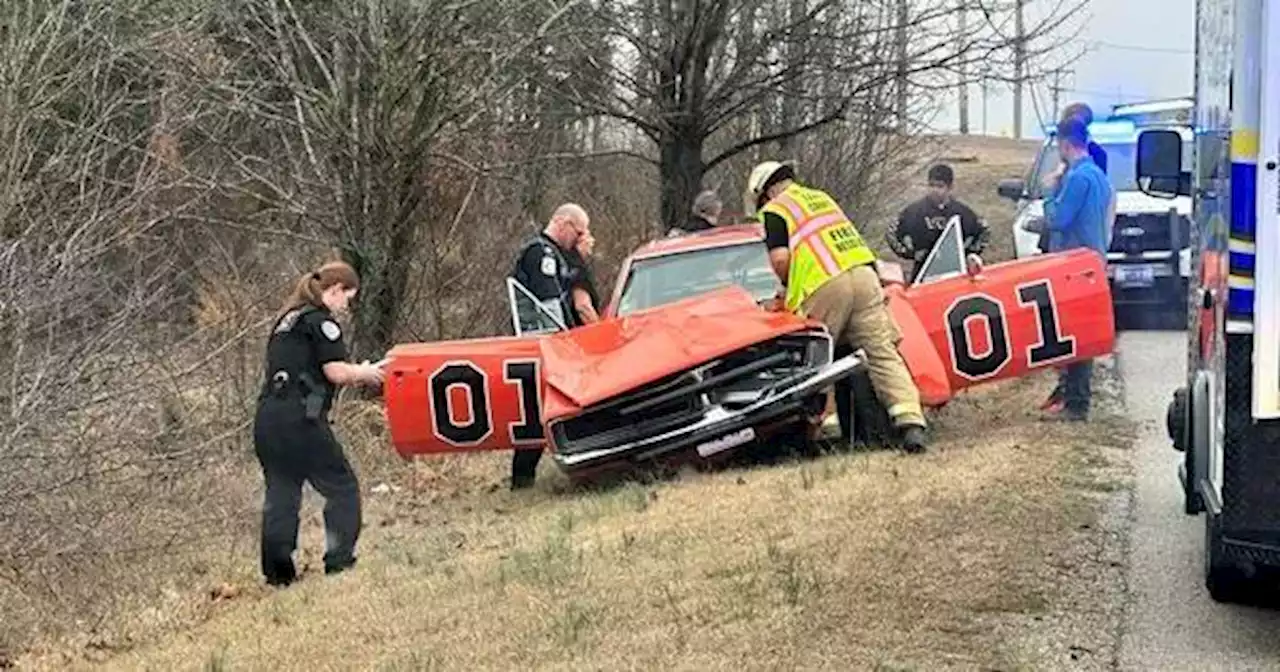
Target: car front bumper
[718,430]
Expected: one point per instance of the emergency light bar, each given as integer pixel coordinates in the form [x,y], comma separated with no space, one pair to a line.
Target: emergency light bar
[1177,110]
[1107,131]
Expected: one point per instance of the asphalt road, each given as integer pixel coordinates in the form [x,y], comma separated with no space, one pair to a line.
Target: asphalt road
[1170,621]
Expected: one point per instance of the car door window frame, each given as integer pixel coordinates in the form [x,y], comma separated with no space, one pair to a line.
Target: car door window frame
[951,236]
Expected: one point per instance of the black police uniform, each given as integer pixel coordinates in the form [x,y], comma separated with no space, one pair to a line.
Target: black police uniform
[545,270]
[921,223]
[581,277]
[294,443]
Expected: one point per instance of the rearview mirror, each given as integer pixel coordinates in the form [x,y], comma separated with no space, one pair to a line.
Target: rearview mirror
[1012,189]
[1160,171]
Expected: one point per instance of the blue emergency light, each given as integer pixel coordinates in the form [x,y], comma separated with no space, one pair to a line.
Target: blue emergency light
[1113,130]
[1106,131]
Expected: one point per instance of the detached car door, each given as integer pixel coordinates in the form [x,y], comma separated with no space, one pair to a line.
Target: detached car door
[473,395]
[1015,317]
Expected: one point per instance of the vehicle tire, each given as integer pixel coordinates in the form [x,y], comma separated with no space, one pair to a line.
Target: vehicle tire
[1198,436]
[872,425]
[1175,420]
[1225,581]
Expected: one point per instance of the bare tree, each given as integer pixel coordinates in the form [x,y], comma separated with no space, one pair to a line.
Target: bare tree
[361,98]
[686,69]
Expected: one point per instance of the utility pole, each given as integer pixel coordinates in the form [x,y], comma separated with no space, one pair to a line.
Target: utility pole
[1057,89]
[1019,68]
[964,72]
[986,94]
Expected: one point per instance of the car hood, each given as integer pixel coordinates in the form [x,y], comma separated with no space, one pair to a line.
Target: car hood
[1127,203]
[1136,202]
[592,363]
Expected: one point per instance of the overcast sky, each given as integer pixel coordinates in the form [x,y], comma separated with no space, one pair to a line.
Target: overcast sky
[1137,49]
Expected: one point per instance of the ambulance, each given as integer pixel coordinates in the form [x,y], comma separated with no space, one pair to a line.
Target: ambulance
[1226,420]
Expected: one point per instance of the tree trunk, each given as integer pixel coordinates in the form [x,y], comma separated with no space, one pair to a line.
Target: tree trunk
[382,292]
[681,174]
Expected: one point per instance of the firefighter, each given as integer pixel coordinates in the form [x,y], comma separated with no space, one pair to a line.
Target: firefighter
[545,267]
[828,273]
[305,363]
[921,223]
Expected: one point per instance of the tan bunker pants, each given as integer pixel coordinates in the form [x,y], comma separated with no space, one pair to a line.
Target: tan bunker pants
[853,306]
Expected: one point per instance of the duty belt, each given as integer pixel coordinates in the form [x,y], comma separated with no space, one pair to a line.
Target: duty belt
[282,387]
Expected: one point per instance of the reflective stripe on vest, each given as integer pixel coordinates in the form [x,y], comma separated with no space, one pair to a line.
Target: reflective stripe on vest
[813,260]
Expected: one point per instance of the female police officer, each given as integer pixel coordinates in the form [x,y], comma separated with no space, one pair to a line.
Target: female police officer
[305,363]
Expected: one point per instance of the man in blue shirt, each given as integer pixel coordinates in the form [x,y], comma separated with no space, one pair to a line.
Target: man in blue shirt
[1085,113]
[1076,215]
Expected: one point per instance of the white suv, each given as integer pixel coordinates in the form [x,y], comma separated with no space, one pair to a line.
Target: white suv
[1149,255]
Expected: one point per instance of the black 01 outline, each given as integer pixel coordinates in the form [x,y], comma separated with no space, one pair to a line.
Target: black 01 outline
[951,339]
[1041,331]
[484,389]
[520,396]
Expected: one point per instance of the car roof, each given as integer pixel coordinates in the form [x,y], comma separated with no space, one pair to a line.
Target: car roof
[720,236]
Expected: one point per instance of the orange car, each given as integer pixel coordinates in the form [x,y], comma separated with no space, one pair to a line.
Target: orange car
[690,363]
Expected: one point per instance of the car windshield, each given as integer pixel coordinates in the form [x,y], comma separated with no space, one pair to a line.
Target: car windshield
[664,279]
[1121,164]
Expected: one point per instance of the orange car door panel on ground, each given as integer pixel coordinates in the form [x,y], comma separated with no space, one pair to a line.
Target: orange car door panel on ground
[466,396]
[1018,316]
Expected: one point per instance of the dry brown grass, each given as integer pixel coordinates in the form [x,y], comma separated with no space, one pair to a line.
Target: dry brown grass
[866,561]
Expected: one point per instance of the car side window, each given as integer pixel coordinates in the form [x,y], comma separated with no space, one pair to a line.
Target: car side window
[531,316]
[1046,161]
[946,259]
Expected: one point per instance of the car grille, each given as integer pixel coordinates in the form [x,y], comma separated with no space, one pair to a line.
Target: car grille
[1150,232]
[730,382]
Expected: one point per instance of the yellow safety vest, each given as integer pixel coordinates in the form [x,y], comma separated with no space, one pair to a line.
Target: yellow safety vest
[822,240]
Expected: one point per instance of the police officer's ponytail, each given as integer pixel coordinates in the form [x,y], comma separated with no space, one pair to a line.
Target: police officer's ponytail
[313,283]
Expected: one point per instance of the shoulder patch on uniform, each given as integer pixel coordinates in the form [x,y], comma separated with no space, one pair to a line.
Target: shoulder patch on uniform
[549,265]
[330,330]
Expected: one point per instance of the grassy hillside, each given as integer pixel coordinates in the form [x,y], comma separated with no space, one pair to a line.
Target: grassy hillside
[863,561]
[953,560]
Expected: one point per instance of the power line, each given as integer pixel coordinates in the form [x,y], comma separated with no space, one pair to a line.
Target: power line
[1134,47]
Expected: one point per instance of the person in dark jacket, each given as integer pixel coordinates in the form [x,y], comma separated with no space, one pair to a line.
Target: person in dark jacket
[921,223]
[305,364]
[704,215]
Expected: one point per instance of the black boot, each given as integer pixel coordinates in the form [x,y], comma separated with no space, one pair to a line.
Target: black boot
[339,566]
[913,439]
[279,572]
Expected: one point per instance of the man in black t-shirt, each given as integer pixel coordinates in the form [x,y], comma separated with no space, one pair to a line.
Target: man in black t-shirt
[921,223]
